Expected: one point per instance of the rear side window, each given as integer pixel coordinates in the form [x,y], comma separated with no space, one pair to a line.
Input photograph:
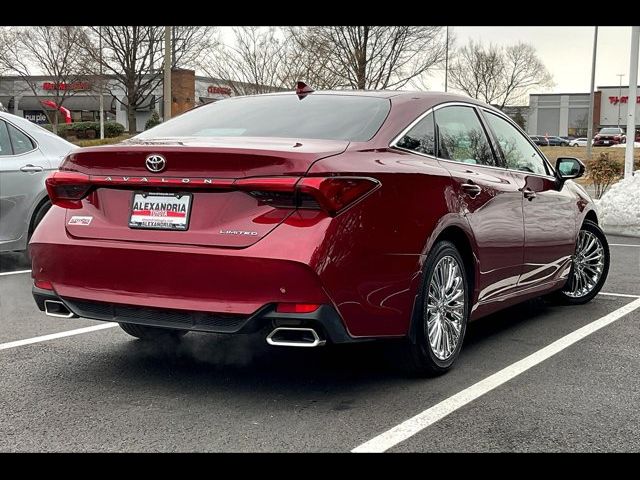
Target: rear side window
[5,143]
[421,138]
[20,142]
[317,116]
[461,137]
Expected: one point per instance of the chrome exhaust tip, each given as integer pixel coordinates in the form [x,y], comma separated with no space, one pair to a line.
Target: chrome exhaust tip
[295,337]
[55,308]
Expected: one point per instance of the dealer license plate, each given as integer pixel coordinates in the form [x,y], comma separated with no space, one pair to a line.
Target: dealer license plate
[160,211]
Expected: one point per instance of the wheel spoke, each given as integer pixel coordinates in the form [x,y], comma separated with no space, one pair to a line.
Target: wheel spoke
[444,307]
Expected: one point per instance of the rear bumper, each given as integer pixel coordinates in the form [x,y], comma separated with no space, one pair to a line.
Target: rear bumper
[325,320]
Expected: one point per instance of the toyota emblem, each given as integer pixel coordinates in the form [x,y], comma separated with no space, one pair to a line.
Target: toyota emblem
[156,163]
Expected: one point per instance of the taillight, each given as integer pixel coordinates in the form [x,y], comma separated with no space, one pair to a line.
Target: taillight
[336,193]
[66,189]
[332,194]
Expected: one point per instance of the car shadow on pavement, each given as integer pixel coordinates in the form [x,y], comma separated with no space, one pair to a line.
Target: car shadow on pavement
[247,363]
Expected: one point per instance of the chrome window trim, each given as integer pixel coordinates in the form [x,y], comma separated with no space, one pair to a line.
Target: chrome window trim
[397,138]
[33,140]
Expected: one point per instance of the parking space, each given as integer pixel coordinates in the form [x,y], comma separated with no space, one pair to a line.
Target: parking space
[104,391]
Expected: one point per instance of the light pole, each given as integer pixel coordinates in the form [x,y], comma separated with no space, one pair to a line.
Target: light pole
[167,75]
[592,93]
[620,75]
[631,103]
[446,61]
[101,92]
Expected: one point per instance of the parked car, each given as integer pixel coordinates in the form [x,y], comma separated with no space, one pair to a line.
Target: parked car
[609,136]
[317,217]
[28,153]
[579,142]
[539,140]
[549,141]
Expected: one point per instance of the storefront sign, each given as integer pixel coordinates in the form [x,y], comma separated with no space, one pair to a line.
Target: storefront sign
[219,90]
[615,100]
[66,86]
[36,117]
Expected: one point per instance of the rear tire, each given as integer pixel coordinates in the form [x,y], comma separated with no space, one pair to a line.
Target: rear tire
[591,260]
[144,332]
[443,311]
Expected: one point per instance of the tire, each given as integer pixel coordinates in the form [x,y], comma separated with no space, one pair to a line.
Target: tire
[592,277]
[421,357]
[37,218]
[144,332]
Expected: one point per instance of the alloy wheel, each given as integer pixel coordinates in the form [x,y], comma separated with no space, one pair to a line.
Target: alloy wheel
[588,265]
[445,307]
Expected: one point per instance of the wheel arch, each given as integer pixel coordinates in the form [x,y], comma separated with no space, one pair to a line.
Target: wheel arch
[460,235]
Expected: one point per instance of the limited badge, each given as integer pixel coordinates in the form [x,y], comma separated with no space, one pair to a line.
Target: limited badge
[78,220]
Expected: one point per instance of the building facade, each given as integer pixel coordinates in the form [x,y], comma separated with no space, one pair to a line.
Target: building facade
[567,114]
[24,97]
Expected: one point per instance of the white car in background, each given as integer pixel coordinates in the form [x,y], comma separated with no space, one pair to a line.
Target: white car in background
[28,153]
[579,142]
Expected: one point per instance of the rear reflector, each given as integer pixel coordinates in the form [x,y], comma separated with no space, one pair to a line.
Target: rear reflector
[43,284]
[297,307]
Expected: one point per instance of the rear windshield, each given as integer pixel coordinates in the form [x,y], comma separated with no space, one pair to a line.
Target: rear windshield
[329,117]
[610,131]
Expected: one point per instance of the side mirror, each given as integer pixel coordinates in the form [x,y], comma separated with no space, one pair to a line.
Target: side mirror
[568,167]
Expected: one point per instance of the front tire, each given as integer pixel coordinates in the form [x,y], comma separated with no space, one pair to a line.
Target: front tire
[590,266]
[441,319]
[144,332]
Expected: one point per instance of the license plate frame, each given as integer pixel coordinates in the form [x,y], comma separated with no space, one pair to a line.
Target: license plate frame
[180,227]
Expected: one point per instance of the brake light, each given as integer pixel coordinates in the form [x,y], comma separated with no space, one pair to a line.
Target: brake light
[336,193]
[66,189]
[332,194]
[297,307]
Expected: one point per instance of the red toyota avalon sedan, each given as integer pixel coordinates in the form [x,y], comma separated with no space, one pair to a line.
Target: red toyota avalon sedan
[318,217]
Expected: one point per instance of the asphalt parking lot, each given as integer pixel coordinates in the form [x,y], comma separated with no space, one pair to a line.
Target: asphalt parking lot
[105,391]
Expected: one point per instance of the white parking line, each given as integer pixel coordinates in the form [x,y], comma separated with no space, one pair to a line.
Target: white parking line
[623,245]
[53,336]
[624,295]
[408,428]
[15,273]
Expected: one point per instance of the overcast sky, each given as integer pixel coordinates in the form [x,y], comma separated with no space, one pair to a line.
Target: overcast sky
[566,52]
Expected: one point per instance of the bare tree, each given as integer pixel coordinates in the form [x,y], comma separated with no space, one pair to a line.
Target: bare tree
[376,57]
[190,44]
[133,56]
[53,51]
[254,62]
[498,75]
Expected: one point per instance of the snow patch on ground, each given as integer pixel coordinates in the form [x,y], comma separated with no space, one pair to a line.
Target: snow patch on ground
[619,208]
[624,145]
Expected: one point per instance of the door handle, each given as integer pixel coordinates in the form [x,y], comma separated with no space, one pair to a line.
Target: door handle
[471,189]
[31,168]
[528,193]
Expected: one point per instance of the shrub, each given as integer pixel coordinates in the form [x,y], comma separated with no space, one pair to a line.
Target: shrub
[153,121]
[113,129]
[603,171]
[87,129]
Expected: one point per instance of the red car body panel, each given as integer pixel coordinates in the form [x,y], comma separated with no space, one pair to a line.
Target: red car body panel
[365,261]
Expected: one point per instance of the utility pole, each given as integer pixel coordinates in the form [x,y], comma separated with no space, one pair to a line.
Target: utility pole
[631,103]
[446,61]
[619,75]
[167,74]
[101,90]
[592,93]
